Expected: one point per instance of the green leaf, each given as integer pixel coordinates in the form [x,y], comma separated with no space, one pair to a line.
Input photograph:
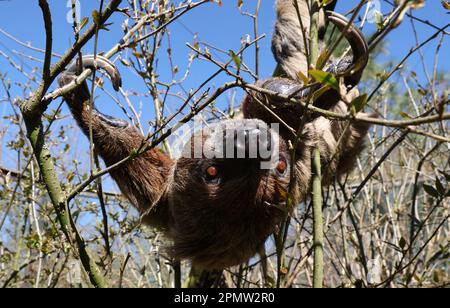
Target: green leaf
[325,78]
[303,78]
[134,153]
[125,62]
[235,59]
[83,23]
[405,115]
[326,2]
[431,190]
[402,243]
[360,102]
[207,53]
[321,59]
[440,188]
[422,92]
[96,17]
[379,20]
[438,276]
[138,55]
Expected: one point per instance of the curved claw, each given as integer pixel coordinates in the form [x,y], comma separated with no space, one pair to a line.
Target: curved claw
[353,69]
[99,62]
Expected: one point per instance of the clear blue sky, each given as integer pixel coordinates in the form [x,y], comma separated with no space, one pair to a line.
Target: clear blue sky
[222,27]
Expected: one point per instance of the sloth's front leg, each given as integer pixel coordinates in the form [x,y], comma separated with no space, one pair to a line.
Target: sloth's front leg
[142,180]
[340,142]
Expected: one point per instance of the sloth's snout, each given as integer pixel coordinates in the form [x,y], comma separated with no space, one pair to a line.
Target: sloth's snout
[247,143]
[246,139]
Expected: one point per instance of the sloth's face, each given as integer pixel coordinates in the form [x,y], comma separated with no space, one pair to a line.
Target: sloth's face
[225,205]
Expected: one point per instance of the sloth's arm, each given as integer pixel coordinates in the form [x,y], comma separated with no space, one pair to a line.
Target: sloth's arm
[289,51]
[339,142]
[142,180]
[318,130]
[288,42]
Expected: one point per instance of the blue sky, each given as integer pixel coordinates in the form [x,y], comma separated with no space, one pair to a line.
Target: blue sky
[222,27]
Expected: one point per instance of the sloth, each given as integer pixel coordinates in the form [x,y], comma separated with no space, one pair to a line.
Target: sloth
[218,211]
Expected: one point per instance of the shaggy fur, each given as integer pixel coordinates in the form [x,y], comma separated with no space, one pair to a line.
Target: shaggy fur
[218,225]
[221,223]
[287,41]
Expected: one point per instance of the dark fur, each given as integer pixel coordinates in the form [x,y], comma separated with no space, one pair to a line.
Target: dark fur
[217,225]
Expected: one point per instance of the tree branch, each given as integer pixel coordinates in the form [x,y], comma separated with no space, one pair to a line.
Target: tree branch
[32,111]
[49,39]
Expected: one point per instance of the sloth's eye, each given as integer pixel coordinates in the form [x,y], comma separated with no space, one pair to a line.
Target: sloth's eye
[212,171]
[212,174]
[282,166]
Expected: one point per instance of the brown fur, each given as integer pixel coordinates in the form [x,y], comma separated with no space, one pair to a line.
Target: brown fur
[287,41]
[220,224]
[225,224]
[288,46]
[318,132]
[143,180]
